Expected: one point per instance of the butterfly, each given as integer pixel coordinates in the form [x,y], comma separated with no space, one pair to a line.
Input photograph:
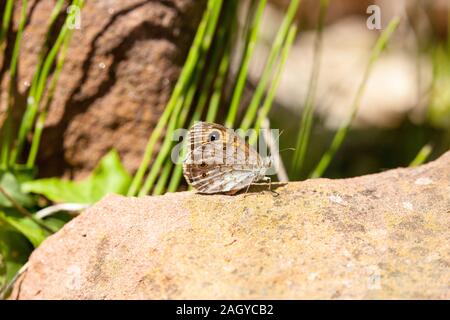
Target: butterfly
[219,161]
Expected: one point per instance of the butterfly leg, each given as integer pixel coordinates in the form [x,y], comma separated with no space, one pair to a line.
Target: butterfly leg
[269,180]
[248,187]
[246,190]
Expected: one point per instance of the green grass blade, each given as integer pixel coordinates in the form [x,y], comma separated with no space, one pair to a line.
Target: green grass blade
[223,45]
[342,132]
[308,110]
[7,14]
[265,109]
[33,104]
[448,30]
[32,108]
[206,88]
[229,29]
[212,111]
[250,115]
[243,70]
[178,120]
[7,135]
[211,14]
[163,155]
[44,50]
[39,126]
[422,156]
[164,150]
[180,115]
[159,188]
[176,175]
[218,86]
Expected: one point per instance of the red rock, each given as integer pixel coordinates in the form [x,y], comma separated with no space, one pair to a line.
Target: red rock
[378,236]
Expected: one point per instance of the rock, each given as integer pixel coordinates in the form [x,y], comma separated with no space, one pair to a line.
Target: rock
[119,73]
[382,236]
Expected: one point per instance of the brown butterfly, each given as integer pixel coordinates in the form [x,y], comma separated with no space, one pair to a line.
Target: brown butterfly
[219,161]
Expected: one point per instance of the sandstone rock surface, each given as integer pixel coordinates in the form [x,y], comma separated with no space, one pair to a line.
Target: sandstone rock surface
[385,235]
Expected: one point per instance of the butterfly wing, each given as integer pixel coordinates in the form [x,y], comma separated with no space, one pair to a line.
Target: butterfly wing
[219,179]
[218,160]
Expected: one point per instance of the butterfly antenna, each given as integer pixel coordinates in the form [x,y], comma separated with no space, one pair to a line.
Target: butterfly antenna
[287,149]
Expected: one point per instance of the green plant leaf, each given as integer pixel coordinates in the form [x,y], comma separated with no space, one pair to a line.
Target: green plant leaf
[439,109]
[57,221]
[24,173]
[108,177]
[12,186]
[26,226]
[14,252]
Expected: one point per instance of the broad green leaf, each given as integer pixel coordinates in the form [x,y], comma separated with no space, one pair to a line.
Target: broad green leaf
[11,185]
[26,226]
[439,108]
[57,221]
[108,177]
[59,190]
[14,251]
[21,172]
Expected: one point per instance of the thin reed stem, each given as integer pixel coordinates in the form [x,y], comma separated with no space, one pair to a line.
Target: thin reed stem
[8,127]
[265,109]
[160,185]
[250,44]
[7,14]
[210,16]
[250,115]
[309,105]
[223,40]
[34,100]
[39,126]
[422,155]
[340,135]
